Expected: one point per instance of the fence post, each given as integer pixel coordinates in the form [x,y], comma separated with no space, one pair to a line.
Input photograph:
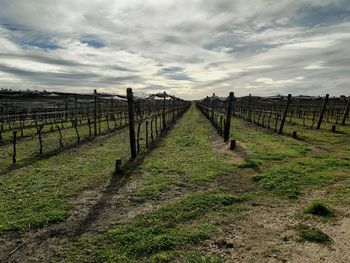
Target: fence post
[95,112]
[14,146]
[212,108]
[2,113]
[66,108]
[249,108]
[130,98]
[76,108]
[228,117]
[164,122]
[346,113]
[285,114]
[322,111]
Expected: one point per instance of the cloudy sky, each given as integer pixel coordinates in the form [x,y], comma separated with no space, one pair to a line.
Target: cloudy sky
[190,48]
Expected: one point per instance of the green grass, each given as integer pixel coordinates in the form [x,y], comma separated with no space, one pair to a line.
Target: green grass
[28,148]
[290,178]
[248,164]
[203,259]
[312,234]
[185,159]
[265,146]
[37,194]
[319,208]
[289,166]
[149,235]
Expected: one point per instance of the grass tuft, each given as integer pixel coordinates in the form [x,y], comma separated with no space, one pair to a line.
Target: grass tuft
[318,208]
[312,234]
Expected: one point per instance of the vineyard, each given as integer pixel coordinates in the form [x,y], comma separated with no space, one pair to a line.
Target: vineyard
[123,178]
[39,124]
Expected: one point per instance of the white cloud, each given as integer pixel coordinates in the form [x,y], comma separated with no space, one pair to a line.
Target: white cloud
[257,46]
[316,65]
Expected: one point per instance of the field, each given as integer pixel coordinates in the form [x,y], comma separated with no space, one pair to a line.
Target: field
[187,197]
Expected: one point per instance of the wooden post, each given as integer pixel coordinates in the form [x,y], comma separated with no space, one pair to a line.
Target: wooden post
[138,137]
[66,109]
[322,111]
[99,113]
[14,146]
[146,133]
[212,108]
[152,138]
[346,113]
[285,114]
[294,134]
[164,122]
[118,166]
[228,117]
[89,124]
[1,113]
[130,98]
[233,144]
[334,128]
[249,108]
[40,138]
[95,112]
[76,108]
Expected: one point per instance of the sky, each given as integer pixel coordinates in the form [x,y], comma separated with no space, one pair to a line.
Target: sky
[189,48]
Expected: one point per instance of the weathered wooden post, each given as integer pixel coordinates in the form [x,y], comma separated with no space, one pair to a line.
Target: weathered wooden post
[130,98]
[76,108]
[14,147]
[322,111]
[233,145]
[40,138]
[2,113]
[346,113]
[118,166]
[228,117]
[89,125]
[285,113]
[294,135]
[95,113]
[250,108]
[66,109]
[146,133]
[212,108]
[164,101]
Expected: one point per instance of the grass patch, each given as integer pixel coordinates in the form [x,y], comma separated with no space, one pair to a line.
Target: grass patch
[37,195]
[288,179]
[184,159]
[203,259]
[153,234]
[312,234]
[248,164]
[318,208]
[265,146]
